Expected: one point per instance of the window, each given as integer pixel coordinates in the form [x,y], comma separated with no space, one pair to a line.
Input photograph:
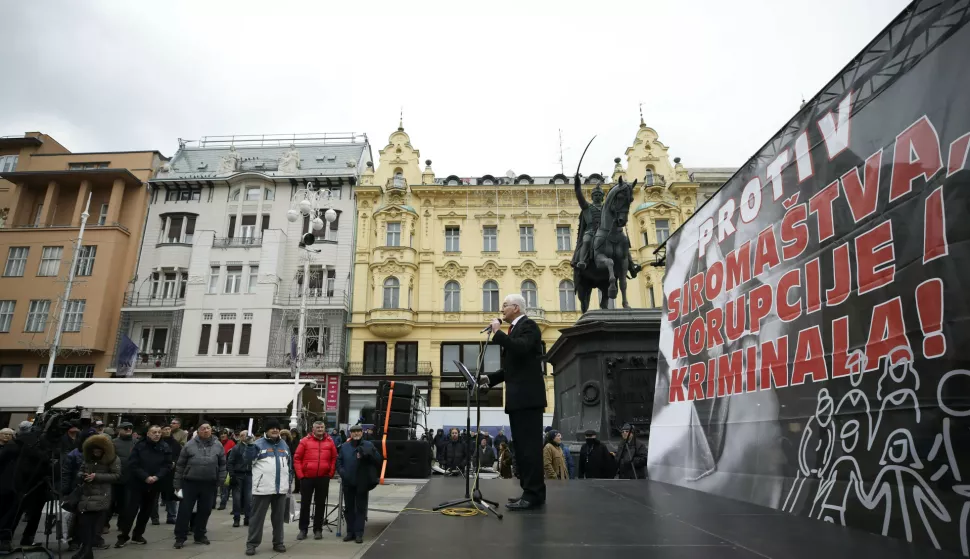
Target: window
[6,314]
[153,341]
[11,371]
[224,339]
[253,278]
[392,293]
[269,195]
[530,294]
[567,296]
[490,238]
[172,196]
[646,239]
[248,228]
[174,229]
[204,338]
[331,281]
[405,358]
[170,286]
[8,163]
[104,214]
[50,261]
[469,354]
[265,224]
[452,297]
[69,371]
[189,230]
[37,315]
[244,337]
[490,296]
[16,262]
[187,195]
[394,234]
[234,196]
[398,179]
[252,194]
[452,236]
[527,241]
[213,280]
[38,213]
[74,315]
[375,357]
[233,279]
[648,180]
[563,238]
[663,230]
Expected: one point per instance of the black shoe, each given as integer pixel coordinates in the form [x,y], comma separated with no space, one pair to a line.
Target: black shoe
[318,534]
[515,499]
[202,541]
[359,539]
[279,548]
[250,551]
[102,546]
[170,521]
[6,546]
[155,522]
[235,523]
[138,540]
[301,536]
[522,504]
[179,544]
[221,507]
[246,522]
[122,542]
[349,537]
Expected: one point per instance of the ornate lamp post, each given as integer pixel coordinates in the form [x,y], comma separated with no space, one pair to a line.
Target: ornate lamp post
[312,203]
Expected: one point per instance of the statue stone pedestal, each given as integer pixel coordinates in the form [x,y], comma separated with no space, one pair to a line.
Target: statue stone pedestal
[605,371]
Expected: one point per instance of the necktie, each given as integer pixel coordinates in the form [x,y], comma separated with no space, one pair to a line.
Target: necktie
[510,330]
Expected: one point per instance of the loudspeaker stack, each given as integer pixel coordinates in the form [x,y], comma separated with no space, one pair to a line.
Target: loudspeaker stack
[394,425]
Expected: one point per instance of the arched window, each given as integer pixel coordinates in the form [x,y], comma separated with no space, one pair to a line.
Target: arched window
[234,197]
[530,294]
[648,180]
[490,296]
[567,296]
[392,293]
[452,297]
[452,182]
[398,178]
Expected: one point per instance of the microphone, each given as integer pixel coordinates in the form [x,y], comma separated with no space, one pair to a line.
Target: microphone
[487,328]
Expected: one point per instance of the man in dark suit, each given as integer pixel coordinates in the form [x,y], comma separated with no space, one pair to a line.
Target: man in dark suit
[525,396]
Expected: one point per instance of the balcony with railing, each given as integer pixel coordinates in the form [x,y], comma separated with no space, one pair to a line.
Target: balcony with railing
[312,362]
[243,242]
[89,226]
[136,300]
[145,361]
[316,297]
[361,368]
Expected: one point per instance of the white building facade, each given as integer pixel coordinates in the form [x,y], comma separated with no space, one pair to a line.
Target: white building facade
[220,273]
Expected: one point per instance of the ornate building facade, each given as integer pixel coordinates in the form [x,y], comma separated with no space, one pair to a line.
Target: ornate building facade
[436,255]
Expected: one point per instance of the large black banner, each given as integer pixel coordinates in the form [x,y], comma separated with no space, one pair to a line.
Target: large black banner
[815,355]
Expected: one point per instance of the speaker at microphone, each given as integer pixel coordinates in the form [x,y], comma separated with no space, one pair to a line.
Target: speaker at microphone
[487,328]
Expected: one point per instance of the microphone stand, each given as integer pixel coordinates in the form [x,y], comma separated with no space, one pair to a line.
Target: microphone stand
[474,497]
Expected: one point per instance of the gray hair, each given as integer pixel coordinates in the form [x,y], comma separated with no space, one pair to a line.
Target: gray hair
[323,423]
[25,426]
[516,299]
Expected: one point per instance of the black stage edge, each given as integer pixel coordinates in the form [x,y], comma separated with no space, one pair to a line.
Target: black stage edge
[607,518]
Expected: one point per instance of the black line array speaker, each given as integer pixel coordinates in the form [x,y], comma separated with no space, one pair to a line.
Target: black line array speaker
[408,459]
[396,419]
[401,389]
[397,433]
[402,404]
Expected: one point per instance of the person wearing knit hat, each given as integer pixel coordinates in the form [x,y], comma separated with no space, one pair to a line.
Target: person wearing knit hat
[358,463]
[595,461]
[271,486]
[631,458]
[553,461]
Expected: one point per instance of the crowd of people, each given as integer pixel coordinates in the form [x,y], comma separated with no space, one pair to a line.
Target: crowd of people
[457,448]
[128,473]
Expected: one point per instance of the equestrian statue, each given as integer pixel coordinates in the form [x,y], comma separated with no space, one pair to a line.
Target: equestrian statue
[602,257]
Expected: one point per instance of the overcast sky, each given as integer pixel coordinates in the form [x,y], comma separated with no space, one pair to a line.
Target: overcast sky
[483,90]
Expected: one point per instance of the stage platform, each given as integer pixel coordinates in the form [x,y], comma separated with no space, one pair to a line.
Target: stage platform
[609,518]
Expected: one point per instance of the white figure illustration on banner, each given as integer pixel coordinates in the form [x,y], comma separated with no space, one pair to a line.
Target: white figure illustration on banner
[944,440]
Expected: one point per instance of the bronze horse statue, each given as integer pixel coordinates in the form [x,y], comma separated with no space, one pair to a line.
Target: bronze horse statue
[610,254]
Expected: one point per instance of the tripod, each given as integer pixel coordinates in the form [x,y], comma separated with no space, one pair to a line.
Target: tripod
[473,497]
[53,517]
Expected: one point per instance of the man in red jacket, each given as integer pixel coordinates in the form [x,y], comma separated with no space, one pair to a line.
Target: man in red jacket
[315,462]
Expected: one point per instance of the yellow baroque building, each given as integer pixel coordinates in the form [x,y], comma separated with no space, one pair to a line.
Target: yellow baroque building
[435,256]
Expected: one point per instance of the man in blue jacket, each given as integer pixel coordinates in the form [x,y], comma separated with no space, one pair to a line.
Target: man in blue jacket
[271,487]
[358,463]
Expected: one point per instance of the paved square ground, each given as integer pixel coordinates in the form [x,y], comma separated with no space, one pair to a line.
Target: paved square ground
[385,502]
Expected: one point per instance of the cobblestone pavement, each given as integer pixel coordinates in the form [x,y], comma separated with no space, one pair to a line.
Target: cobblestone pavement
[386,501]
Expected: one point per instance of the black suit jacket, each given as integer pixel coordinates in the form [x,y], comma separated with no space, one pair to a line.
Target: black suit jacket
[521,369]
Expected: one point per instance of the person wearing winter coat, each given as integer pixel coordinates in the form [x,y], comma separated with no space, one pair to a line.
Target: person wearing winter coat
[595,461]
[631,458]
[271,487]
[315,462]
[241,459]
[168,482]
[500,438]
[225,490]
[568,457]
[99,470]
[504,460]
[119,496]
[199,472]
[553,462]
[180,435]
[485,457]
[454,452]
[358,463]
[149,463]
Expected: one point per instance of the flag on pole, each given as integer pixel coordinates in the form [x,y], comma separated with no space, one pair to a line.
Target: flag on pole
[127,354]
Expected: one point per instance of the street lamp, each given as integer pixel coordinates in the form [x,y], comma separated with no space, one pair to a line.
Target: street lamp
[312,202]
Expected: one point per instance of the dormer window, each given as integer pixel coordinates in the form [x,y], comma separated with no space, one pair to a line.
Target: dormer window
[649,179]
[452,182]
[398,179]
[559,181]
[234,196]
